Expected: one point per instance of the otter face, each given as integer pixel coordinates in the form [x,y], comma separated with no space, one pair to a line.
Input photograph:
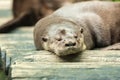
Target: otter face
[63,39]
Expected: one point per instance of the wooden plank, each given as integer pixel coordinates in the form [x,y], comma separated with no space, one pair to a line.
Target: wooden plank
[22,35]
[68,71]
[13,54]
[45,56]
[15,37]
[42,65]
[21,45]
[5,42]
[18,46]
[86,56]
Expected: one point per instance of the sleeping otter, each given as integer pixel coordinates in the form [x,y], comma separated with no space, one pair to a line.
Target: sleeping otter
[28,12]
[77,27]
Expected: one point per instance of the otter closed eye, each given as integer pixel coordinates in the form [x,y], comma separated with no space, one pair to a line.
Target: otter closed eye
[75,36]
[44,39]
[59,39]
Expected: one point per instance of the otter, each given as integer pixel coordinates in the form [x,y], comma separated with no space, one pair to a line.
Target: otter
[78,27]
[28,12]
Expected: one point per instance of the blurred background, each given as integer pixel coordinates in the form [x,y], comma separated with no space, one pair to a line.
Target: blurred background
[5,10]
[6,13]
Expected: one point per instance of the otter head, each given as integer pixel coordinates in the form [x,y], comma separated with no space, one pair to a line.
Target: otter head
[63,39]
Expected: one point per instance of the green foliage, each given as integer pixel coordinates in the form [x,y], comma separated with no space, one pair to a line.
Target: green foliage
[2,75]
[115,0]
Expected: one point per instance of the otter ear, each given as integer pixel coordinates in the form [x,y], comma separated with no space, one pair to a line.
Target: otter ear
[44,39]
[81,30]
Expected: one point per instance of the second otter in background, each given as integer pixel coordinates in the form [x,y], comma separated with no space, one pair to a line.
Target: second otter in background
[28,12]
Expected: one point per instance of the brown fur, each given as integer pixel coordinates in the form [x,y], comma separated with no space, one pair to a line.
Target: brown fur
[99,20]
[28,12]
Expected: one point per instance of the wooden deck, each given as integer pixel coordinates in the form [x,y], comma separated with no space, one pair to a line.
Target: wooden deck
[21,61]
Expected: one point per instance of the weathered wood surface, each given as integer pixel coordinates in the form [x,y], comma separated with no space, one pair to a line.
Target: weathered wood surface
[24,63]
[21,61]
[21,38]
[15,37]
[18,46]
[66,71]
[45,56]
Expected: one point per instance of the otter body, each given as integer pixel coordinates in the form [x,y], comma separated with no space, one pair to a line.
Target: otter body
[80,26]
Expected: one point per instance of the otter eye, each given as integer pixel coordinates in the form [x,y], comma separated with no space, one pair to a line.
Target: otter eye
[75,36]
[59,39]
[44,39]
[81,30]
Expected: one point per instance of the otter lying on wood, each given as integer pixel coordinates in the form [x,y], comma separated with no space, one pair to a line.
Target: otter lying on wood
[77,27]
[28,12]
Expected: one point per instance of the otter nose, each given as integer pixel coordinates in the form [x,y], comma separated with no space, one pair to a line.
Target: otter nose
[70,44]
